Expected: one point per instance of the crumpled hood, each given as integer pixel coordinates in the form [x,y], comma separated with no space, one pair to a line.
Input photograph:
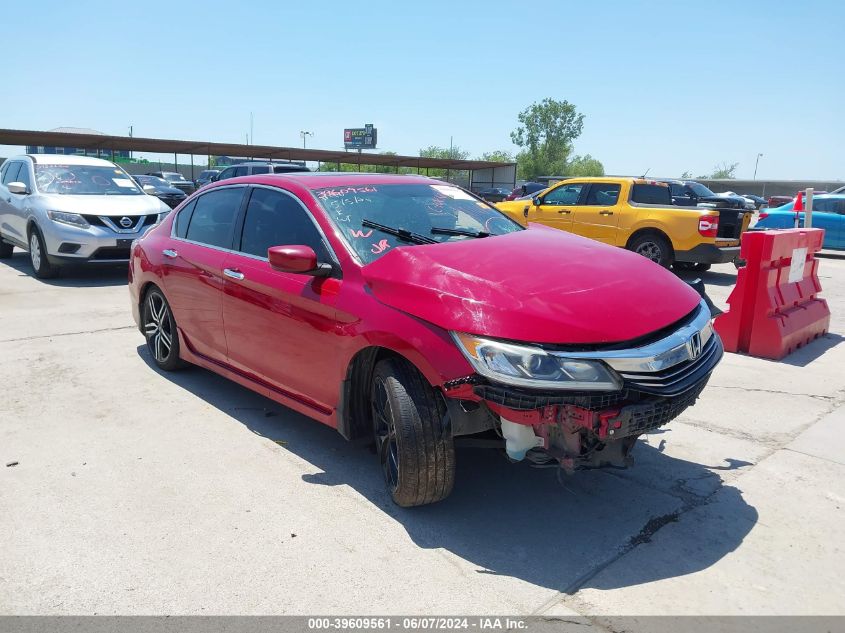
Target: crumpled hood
[540,285]
[105,205]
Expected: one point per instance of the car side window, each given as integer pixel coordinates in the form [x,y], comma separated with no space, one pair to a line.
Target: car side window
[239,171]
[11,174]
[213,218]
[274,218]
[564,195]
[603,194]
[23,176]
[678,190]
[183,218]
[227,173]
[260,169]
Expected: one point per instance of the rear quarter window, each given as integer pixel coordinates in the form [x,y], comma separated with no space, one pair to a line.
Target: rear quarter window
[651,194]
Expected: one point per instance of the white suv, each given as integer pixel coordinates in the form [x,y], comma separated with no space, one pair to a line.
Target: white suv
[71,209]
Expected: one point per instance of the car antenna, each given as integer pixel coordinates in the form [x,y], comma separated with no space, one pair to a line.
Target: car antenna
[646,171]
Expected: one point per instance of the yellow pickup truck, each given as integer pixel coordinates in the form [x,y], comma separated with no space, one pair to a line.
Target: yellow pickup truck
[636,214]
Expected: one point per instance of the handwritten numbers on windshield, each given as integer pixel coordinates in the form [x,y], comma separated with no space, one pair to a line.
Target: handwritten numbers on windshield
[380,247]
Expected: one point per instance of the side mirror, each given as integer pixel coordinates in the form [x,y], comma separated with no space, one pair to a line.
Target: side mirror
[537,201]
[18,187]
[214,178]
[298,259]
[149,189]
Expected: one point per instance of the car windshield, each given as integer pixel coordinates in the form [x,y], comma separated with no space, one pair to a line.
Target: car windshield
[153,181]
[417,208]
[700,190]
[84,180]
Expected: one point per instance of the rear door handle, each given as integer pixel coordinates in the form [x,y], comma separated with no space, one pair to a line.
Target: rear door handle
[605,212]
[233,273]
[564,211]
[169,252]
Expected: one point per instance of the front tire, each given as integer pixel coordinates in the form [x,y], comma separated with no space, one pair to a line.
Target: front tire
[416,452]
[653,246]
[41,266]
[160,331]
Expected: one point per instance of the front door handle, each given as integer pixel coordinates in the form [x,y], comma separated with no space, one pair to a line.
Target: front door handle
[564,211]
[233,273]
[605,212]
[169,252]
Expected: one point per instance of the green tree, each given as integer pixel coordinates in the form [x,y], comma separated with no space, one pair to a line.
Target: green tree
[367,169]
[724,171]
[453,153]
[687,175]
[546,132]
[498,156]
[584,166]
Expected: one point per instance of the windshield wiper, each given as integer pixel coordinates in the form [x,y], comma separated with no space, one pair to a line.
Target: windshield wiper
[437,230]
[402,234]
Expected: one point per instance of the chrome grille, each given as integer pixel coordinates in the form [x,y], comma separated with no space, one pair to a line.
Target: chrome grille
[677,378]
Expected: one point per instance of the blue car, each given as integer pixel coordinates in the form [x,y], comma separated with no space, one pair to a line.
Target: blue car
[828,214]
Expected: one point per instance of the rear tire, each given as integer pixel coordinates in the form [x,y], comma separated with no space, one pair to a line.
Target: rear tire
[416,452]
[160,331]
[41,266]
[653,246]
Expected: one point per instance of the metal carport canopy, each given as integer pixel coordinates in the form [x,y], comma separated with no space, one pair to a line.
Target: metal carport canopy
[171,146]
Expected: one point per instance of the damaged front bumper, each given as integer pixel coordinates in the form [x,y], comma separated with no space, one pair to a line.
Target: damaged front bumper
[592,429]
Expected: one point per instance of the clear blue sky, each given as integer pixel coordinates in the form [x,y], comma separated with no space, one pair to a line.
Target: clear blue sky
[668,86]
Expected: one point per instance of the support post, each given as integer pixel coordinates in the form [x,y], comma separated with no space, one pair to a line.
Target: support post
[808,209]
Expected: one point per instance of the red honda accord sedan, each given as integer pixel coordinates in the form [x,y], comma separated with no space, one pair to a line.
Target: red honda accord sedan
[409,311]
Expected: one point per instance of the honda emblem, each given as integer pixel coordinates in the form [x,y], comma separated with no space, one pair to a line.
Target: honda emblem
[694,346]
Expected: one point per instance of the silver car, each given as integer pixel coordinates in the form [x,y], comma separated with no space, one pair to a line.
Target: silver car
[71,210]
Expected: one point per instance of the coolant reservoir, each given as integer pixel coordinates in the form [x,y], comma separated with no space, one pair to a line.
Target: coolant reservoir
[518,439]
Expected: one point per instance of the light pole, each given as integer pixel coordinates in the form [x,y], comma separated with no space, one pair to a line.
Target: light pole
[303,134]
[757,162]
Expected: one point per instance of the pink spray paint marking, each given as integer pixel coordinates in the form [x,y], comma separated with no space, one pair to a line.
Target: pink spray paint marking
[380,247]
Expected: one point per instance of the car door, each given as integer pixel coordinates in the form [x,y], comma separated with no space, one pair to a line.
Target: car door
[280,327]
[827,215]
[7,209]
[556,206]
[597,214]
[20,203]
[839,221]
[203,233]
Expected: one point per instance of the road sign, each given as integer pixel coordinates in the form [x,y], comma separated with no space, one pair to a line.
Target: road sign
[360,137]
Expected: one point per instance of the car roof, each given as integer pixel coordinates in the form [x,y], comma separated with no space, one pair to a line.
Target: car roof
[264,162]
[321,179]
[613,179]
[62,159]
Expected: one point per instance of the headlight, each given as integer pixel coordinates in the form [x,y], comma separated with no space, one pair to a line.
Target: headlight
[527,366]
[74,219]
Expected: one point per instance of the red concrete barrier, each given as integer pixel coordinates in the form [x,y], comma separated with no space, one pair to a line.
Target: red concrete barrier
[774,308]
